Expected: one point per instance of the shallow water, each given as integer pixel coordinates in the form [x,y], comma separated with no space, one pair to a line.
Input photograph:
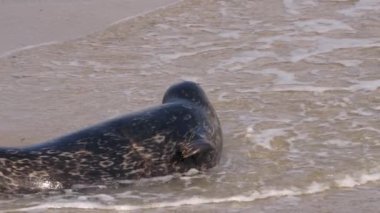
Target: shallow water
[295,84]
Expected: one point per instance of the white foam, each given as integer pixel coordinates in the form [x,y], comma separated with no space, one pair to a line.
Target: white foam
[292,7]
[254,22]
[99,198]
[245,57]
[305,88]
[338,143]
[264,137]
[223,10]
[230,34]
[350,63]
[362,7]
[357,86]
[341,116]
[163,26]
[95,66]
[174,56]
[362,112]
[247,90]
[222,97]
[195,200]
[322,25]
[190,78]
[283,77]
[310,2]
[27,48]
[366,85]
[352,181]
[146,12]
[317,45]
[347,181]
[269,40]
[313,188]
[325,45]
[316,188]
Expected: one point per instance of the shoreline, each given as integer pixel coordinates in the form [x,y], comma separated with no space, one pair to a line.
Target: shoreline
[26,24]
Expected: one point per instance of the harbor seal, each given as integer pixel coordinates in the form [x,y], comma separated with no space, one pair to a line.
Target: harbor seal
[182,133]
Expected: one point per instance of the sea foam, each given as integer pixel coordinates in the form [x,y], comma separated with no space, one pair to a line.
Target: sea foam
[313,188]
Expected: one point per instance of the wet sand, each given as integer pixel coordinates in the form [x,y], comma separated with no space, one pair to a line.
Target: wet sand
[31,22]
[26,24]
[295,83]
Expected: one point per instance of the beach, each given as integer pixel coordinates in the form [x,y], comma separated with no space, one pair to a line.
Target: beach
[28,24]
[25,23]
[295,84]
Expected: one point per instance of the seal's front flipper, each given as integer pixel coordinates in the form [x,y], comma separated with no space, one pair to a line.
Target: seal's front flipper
[195,148]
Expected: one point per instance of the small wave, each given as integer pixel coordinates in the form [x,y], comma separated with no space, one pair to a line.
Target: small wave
[352,180]
[265,137]
[6,54]
[294,8]
[146,12]
[103,201]
[323,45]
[195,200]
[357,86]
[322,25]
[361,7]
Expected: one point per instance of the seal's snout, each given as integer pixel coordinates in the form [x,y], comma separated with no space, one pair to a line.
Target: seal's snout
[186,90]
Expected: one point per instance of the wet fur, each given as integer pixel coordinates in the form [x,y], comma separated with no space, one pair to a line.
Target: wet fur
[182,133]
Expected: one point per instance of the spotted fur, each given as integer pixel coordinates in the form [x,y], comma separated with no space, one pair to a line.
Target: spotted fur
[182,133]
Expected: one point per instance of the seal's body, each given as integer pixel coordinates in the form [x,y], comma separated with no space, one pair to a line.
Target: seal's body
[182,133]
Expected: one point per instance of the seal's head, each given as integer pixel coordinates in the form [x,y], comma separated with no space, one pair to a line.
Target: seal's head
[204,149]
[186,91]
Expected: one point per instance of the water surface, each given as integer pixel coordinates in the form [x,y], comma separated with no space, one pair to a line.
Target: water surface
[295,84]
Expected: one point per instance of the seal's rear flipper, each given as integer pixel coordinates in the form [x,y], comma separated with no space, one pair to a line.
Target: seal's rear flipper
[198,147]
